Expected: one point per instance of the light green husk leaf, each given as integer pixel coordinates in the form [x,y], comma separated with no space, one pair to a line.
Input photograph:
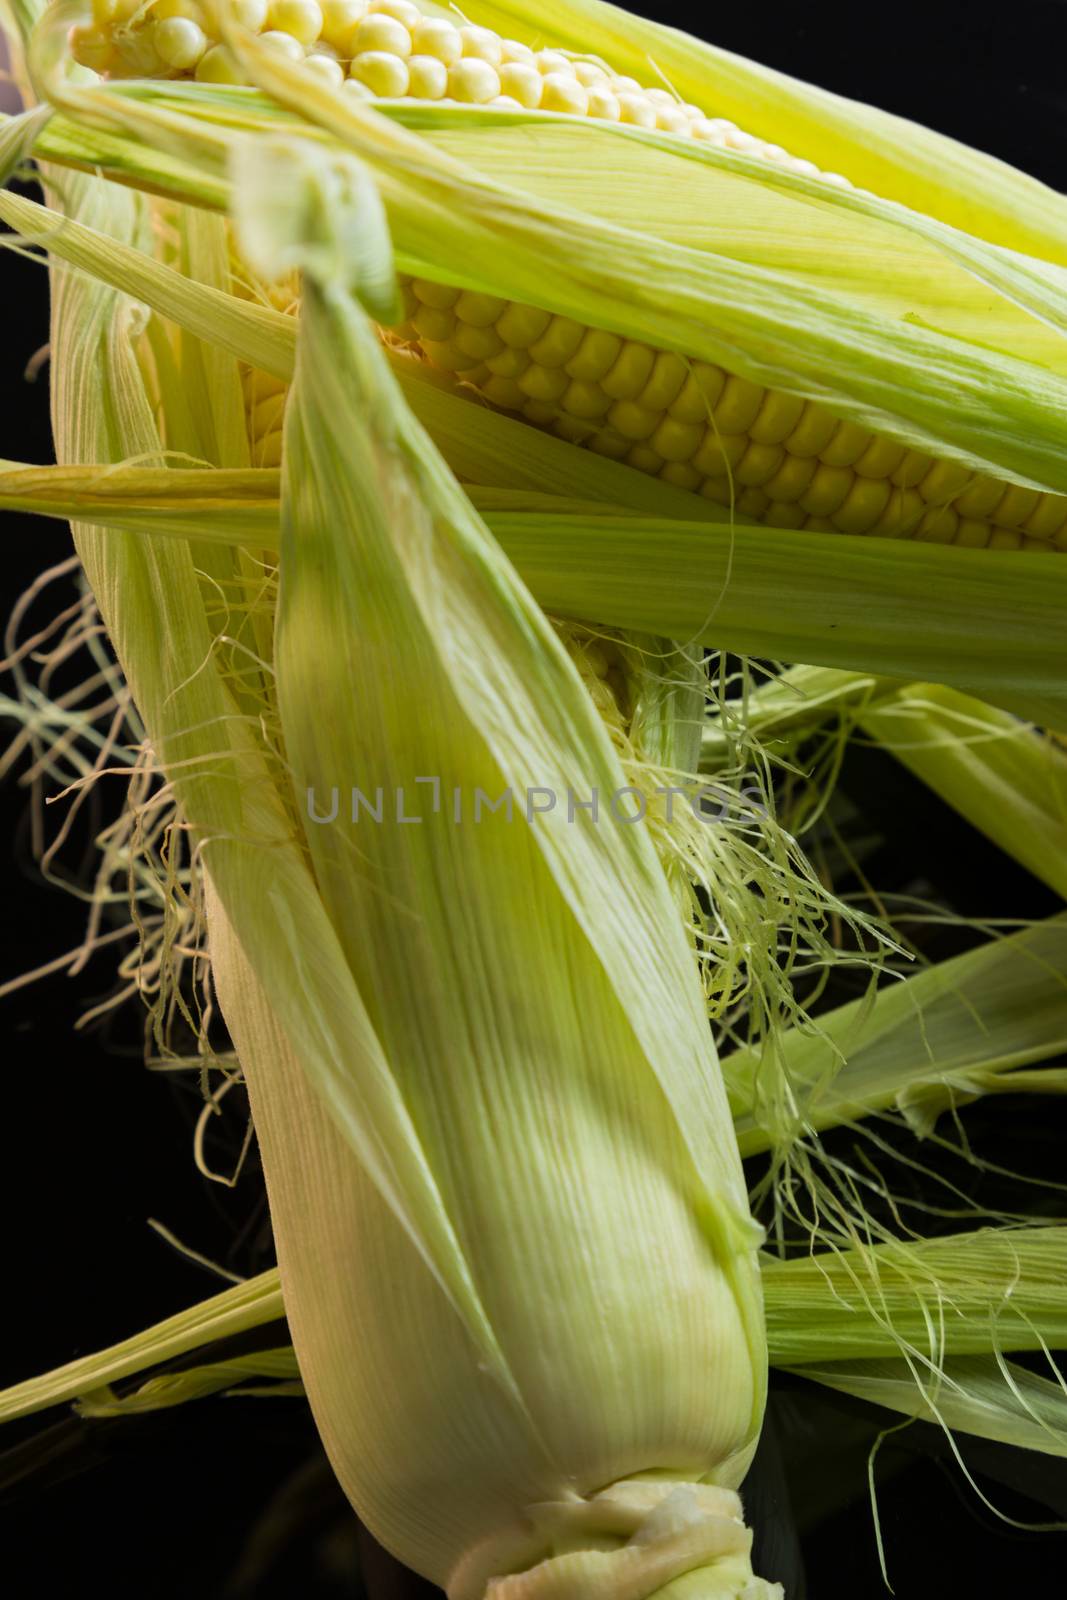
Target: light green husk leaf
[986,1396]
[940,1038]
[921,169]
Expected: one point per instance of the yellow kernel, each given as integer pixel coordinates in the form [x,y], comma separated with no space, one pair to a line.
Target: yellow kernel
[340,18]
[669,373]
[1005,539]
[90,48]
[979,498]
[268,451]
[603,104]
[944,481]
[827,490]
[480,309]
[300,18]
[644,459]
[753,503]
[1041,546]
[632,420]
[1049,516]
[863,505]
[739,404]
[720,453]
[481,344]
[558,343]
[572,429]
[972,534]
[812,433]
[903,513]
[521,326]
[481,44]
[179,41]
[792,478]
[427,78]
[473,81]
[433,322]
[522,82]
[509,363]
[847,445]
[682,475]
[356,90]
[782,514]
[696,400]
[818,525]
[717,489]
[384,74]
[544,383]
[938,525]
[631,371]
[609,443]
[776,418]
[219,66]
[880,459]
[540,413]
[635,109]
[505,392]
[595,355]
[327,68]
[677,441]
[267,415]
[380,34]
[912,470]
[283,43]
[438,38]
[445,355]
[1013,507]
[513,51]
[563,92]
[759,463]
[584,399]
[403,10]
[441,295]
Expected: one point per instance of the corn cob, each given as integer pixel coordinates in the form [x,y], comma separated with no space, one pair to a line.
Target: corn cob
[774,458]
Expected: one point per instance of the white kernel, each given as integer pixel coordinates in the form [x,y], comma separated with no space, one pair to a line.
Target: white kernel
[340,19]
[402,10]
[301,18]
[481,44]
[670,120]
[776,153]
[742,142]
[551,61]
[837,179]
[507,102]
[562,92]
[219,66]
[428,78]
[512,50]
[803,169]
[522,83]
[625,86]
[250,14]
[283,43]
[438,38]
[694,113]
[589,73]
[384,74]
[382,34]
[326,68]
[634,108]
[473,81]
[603,104]
[661,97]
[179,41]
[357,90]
[708,133]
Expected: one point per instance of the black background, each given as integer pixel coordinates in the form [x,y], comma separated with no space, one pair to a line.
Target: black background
[230,1497]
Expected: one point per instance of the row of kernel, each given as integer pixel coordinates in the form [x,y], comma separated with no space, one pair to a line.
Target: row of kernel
[388,49]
